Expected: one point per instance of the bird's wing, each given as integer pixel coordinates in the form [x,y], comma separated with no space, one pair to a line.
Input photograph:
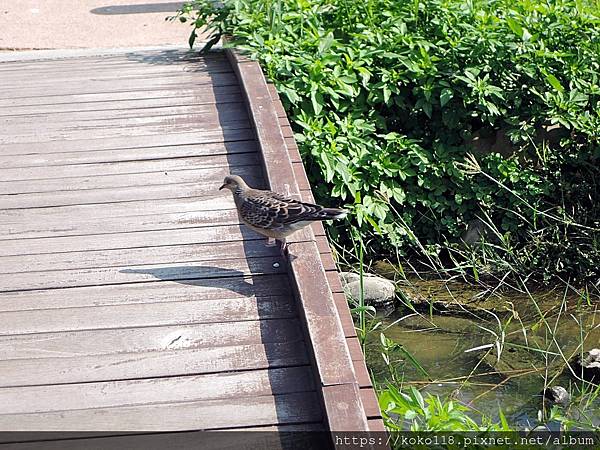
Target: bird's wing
[272,211]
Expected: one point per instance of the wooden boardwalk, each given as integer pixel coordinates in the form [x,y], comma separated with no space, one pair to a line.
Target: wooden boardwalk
[131,298]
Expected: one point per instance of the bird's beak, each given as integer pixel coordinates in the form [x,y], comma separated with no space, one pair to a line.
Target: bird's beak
[224,184]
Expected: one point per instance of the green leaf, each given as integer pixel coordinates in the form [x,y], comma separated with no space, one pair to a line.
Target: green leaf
[386,94]
[427,108]
[445,96]
[325,43]
[554,82]
[192,38]
[410,414]
[416,395]
[317,101]
[503,420]
[515,26]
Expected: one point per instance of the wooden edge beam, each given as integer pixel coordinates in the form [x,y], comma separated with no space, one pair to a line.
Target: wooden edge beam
[342,399]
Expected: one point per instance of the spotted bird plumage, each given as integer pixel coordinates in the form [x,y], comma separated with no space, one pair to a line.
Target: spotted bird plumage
[272,214]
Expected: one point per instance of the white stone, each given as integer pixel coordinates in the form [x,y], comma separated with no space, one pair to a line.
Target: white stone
[376,290]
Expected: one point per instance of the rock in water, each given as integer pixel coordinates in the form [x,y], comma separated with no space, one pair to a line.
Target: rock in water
[377,292]
[557,395]
[349,277]
[588,365]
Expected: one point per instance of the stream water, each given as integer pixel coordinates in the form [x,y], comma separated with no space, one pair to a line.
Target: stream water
[530,349]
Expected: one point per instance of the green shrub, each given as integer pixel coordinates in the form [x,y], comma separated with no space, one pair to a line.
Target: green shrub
[386,96]
[409,410]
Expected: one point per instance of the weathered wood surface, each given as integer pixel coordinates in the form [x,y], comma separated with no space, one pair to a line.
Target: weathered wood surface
[131,298]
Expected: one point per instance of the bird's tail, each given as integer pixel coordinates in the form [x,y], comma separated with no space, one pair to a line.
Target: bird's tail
[330,214]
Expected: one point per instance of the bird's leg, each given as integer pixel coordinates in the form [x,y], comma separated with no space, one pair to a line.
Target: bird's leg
[283,246]
[271,242]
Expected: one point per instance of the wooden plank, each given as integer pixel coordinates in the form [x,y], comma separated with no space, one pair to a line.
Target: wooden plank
[303,183]
[305,436]
[205,335]
[144,58]
[189,205]
[341,305]
[209,131]
[124,366]
[278,170]
[212,414]
[208,118]
[108,59]
[287,131]
[362,374]
[33,399]
[343,406]
[129,142]
[79,71]
[293,151]
[76,74]
[111,115]
[272,91]
[119,100]
[210,251]
[333,280]
[85,78]
[110,91]
[226,233]
[323,245]
[98,116]
[370,404]
[211,271]
[377,426]
[161,314]
[223,95]
[355,349]
[115,195]
[254,296]
[109,81]
[158,177]
[345,411]
[264,119]
[199,81]
[58,165]
[116,59]
[39,222]
[324,327]
[327,261]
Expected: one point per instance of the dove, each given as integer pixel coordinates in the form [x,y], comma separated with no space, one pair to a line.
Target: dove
[274,215]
